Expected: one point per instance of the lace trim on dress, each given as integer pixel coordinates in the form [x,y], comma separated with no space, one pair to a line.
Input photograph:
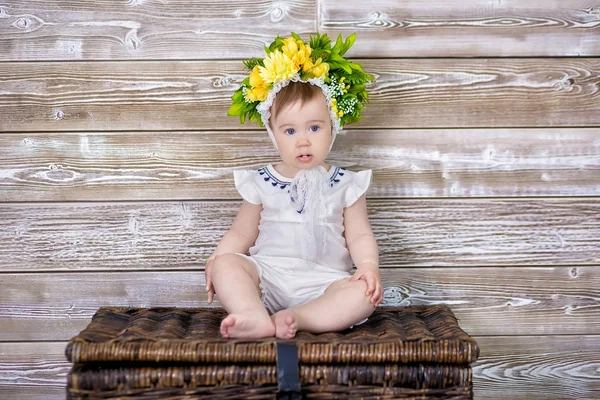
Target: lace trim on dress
[308,196]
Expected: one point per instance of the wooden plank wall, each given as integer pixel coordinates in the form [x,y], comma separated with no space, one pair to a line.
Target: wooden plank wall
[483,134]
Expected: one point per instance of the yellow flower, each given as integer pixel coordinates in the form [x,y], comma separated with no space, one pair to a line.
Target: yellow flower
[339,113]
[296,50]
[302,56]
[255,80]
[257,94]
[278,67]
[290,47]
[334,105]
[319,69]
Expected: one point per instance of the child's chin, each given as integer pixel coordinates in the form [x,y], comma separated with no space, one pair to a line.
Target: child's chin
[309,165]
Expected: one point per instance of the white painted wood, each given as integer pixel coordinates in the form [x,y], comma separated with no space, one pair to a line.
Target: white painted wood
[140,29]
[182,235]
[411,93]
[458,28]
[487,301]
[198,165]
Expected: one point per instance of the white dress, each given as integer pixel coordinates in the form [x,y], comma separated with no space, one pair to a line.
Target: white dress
[287,280]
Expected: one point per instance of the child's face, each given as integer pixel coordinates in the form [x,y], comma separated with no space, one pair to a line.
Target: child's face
[303,133]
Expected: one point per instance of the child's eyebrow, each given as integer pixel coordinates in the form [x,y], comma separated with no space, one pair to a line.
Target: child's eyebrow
[291,124]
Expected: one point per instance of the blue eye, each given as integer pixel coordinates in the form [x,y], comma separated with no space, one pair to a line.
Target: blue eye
[315,128]
[290,131]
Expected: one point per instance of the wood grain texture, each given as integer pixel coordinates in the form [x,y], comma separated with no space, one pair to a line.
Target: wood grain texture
[138,29]
[513,367]
[198,165]
[457,28]
[34,370]
[428,93]
[135,29]
[538,367]
[181,235]
[487,301]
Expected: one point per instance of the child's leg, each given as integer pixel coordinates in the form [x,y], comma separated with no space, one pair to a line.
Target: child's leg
[236,284]
[343,304]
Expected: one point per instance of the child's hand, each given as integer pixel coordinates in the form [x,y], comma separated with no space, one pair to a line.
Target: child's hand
[209,286]
[370,274]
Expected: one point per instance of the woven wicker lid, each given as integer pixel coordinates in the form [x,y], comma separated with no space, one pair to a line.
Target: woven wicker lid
[423,334]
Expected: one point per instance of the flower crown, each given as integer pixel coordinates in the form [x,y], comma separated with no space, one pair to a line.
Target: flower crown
[291,59]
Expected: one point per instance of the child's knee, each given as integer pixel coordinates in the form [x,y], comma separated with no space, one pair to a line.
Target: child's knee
[230,263]
[223,263]
[359,289]
[356,287]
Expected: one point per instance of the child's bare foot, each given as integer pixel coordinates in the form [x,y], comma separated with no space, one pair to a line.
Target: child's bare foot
[253,326]
[285,324]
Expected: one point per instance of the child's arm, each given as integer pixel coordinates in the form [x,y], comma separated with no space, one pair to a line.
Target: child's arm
[363,248]
[238,239]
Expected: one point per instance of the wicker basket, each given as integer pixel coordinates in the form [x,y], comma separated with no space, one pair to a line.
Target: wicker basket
[176,353]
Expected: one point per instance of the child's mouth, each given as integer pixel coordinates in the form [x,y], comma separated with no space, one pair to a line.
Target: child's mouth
[304,158]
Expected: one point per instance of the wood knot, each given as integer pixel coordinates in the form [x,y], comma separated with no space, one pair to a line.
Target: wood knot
[277,14]
[27,23]
[565,84]
[21,23]
[379,20]
[221,82]
[574,273]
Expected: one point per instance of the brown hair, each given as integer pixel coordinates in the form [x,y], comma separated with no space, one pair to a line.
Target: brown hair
[295,91]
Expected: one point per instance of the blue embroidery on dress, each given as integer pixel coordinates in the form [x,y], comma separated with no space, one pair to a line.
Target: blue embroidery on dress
[273,178]
[335,177]
[338,172]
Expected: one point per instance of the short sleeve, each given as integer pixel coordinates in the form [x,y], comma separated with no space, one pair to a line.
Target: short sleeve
[359,186]
[245,186]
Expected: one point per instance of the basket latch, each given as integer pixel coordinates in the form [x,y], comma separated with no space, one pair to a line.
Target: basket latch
[288,376]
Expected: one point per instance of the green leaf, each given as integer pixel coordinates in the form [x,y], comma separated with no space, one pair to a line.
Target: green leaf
[357,88]
[238,96]
[295,36]
[320,42]
[276,44]
[235,109]
[338,45]
[349,43]
[304,75]
[338,58]
[323,54]
[251,63]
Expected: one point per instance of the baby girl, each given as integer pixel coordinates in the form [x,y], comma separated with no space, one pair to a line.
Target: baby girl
[303,222]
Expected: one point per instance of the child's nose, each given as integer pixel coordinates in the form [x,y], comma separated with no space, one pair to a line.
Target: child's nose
[303,140]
